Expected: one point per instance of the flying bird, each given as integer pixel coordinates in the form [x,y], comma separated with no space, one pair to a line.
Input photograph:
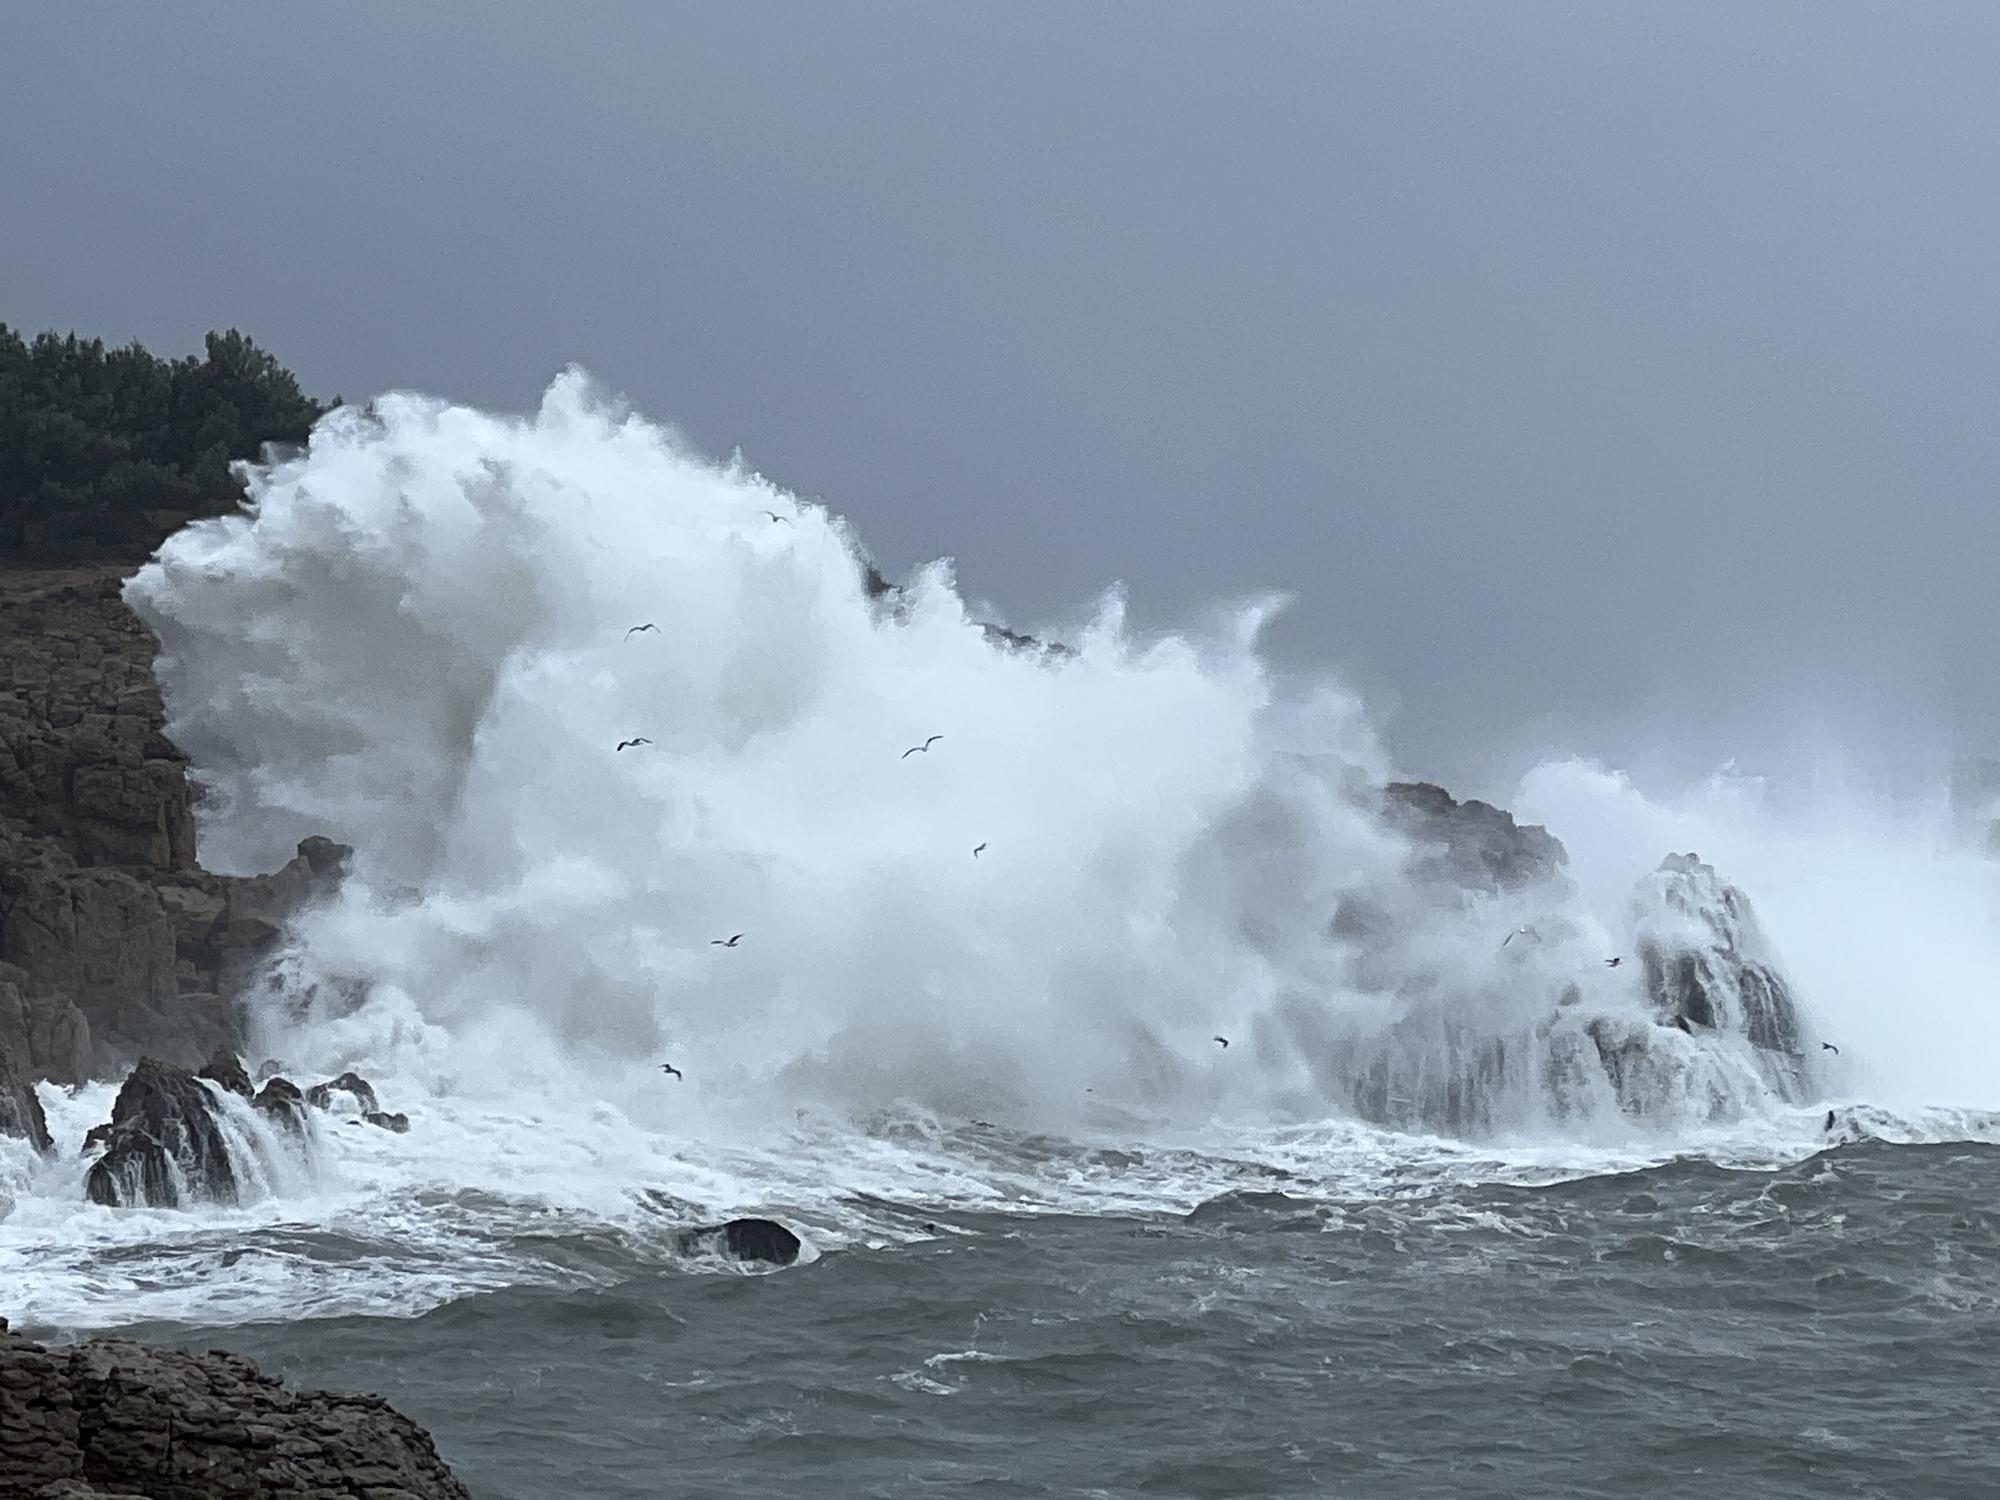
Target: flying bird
[776,518]
[1612,963]
[975,850]
[719,943]
[924,746]
[628,744]
[1520,932]
[1225,1042]
[1829,1047]
[636,629]
[670,1068]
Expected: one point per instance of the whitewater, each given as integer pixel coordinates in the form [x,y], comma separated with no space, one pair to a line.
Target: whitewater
[420,638]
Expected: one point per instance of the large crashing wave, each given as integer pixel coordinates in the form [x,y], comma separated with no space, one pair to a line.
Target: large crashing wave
[419,640]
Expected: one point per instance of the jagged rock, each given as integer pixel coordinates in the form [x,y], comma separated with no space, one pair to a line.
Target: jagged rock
[1707,964]
[1014,640]
[21,1109]
[281,1100]
[111,1418]
[399,1124]
[1472,844]
[82,757]
[226,1068]
[744,1239]
[270,1067]
[118,944]
[163,1139]
[320,1095]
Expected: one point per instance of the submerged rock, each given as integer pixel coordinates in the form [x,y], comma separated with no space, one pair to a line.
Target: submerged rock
[320,1095]
[745,1239]
[400,1124]
[112,1418]
[163,1143]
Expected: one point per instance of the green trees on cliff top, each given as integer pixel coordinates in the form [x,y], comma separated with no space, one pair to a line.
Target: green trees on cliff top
[105,451]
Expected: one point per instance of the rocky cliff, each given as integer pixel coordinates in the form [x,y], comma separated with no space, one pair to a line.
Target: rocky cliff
[114,942]
[115,1420]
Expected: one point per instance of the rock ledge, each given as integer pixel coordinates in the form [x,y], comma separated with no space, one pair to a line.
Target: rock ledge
[111,1420]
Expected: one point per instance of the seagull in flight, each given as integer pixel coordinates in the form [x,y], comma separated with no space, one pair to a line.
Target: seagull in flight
[776,518]
[1225,1042]
[637,629]
[1829,1047]
[975,850]
[628,744]
[1612,963]
[924,746]
[731,943]
[1520,932]
[670,1068]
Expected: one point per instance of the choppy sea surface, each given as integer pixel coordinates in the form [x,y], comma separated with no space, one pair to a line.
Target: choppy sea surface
[1820,1321]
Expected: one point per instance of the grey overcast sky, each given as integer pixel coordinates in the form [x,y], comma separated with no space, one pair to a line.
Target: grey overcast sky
[1597,377]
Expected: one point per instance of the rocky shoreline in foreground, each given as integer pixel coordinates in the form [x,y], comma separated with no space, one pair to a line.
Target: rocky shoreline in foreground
[110,1419]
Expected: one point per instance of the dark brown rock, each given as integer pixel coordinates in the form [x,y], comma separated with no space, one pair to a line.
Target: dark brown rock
[113,1418]
[163,1133]
[400,1124]
[1471,844]
[281,1100]
[114,943]
[226,1068]
[21,1110]
[320,1095]
[762,1240]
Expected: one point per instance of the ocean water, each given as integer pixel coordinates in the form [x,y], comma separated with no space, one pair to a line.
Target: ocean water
[1406,1234]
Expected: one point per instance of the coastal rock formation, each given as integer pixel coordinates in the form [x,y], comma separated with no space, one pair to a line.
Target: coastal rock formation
[114,943]
[21,1110]
[320,1095]
[163,1143]
[1709,968]
[744,1239]
[111,1418]
[226,1068]
[1471,844]
[281,1101]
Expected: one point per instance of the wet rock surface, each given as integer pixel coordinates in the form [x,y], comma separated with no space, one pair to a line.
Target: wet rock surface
[163,1145]
[114,942]
[761,1240]
[113,1418]
[357,1088]
[1471,843]
[21,1110]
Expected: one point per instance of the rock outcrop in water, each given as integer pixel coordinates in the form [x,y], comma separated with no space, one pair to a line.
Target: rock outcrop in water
[1706,963]
[113,1420]
[762,1240]
[320,1095]
[280,1100]
[114,942]
[163,1144]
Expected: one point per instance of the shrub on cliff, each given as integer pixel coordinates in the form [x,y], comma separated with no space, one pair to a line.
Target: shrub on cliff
[105,451]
